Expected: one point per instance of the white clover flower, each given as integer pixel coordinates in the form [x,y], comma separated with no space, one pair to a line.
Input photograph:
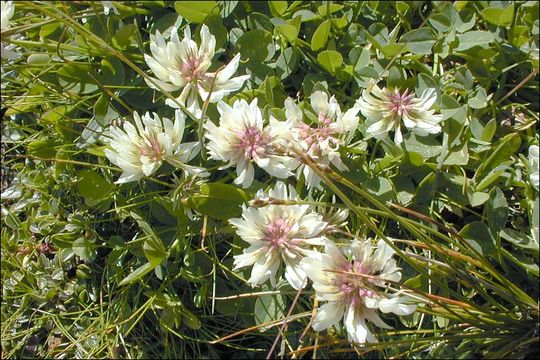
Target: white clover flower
[534,163]
[322,141]
[7,9]
[351,296]
[276,234]
[242,138]
[386,109]
[184,65]
[107,6]
[141,149]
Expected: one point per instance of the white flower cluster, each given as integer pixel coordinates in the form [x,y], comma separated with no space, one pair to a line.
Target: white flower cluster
[242,136]
[289,234]
[184,65]
[140,150]
[385,109]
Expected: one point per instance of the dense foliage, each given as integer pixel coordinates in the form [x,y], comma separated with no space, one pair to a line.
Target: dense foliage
[192,179]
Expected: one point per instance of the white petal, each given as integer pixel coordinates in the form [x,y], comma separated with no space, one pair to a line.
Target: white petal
[319,102]
[245,174]
[229,70]
[294,274]
[261,271]
[327,315]
[374,318]
[356,326]
[396,305]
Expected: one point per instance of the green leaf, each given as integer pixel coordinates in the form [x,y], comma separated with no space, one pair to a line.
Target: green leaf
[268,92]
[254,45]
[503,149]
[359,57]
[522,261]
[268,308]
[92,186]
[450,108]
[405,188]
[491,177]
[478,68]
[479,100]
[440,22]
[306,15]
[278,8]
[38,59]
[53,115]
[426,146]
[340,23]
[474,38]
[394,78]
[458,156]
[137,274]
[499,16]
[465,20]
[521,240]
[379,186]
[260,21]
[166,22]
[228,7]
[535,222]
[50,31]
[517,35]
[84,248]
[496,210]
[43,148]
[425,81]
[153,246]
[218,200]
[196,11]
[320,36]
[125,36]
[489,130]
[215,25]
[426,189]
[112,71]
[190,319]
[289,32]
[479,237]
[75,78]
[419,41]
[330,60]
[322,9]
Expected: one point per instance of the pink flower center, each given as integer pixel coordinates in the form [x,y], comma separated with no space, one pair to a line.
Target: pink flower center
[400,103]
[314,136]
[152,149]
[353,287]
[252,142]
[277,233]
[190,69]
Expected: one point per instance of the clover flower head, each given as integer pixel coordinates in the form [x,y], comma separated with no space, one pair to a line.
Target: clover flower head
[182,64]
[278,234]
[322,140]
[355,289]
[7,9]
[386,110]
[141,149]
[242,138]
